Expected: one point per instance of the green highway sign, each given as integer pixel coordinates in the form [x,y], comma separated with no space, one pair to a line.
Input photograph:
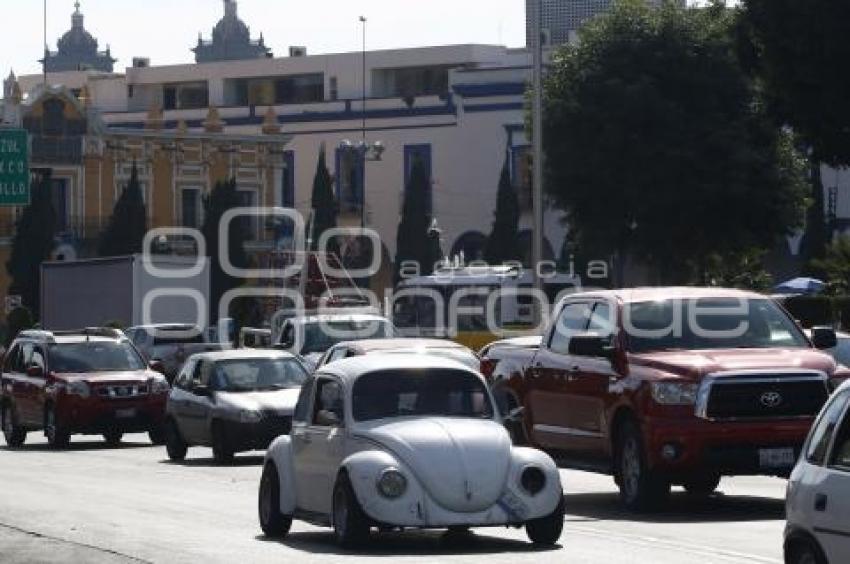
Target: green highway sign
[14,168]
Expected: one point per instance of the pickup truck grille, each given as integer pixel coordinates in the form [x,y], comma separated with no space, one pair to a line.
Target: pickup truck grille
[753,396]
[122,391]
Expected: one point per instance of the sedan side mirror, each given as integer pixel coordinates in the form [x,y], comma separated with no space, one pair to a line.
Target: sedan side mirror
[514,415]
[824,338]
[591,345]
[35,371]
[157,366]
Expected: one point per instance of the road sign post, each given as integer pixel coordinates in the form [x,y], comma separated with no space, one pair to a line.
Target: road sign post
[14,168]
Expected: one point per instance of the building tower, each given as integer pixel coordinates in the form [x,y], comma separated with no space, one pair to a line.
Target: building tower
[77,50]
[231,40]
[563,18]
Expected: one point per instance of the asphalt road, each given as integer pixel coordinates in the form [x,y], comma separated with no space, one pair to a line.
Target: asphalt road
[95,504]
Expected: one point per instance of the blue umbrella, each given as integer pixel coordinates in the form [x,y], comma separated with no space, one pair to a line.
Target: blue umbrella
[800,286]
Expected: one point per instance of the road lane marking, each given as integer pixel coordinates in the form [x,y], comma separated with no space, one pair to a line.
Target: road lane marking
[74,543]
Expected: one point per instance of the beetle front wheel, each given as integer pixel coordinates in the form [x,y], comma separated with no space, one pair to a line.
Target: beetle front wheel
[546,531]
[351,526]
[273,523]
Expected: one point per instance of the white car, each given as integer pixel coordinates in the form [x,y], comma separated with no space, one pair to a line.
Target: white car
[818,504]
[405,441]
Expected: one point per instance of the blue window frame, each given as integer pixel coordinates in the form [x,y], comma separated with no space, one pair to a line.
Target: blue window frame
[419,153]
[287,195]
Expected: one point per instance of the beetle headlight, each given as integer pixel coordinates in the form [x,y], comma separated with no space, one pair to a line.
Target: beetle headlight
[674,393]
[78,388]
[532,480]
[392,483]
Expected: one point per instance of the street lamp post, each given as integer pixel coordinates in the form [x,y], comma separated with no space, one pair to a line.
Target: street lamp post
[537,146]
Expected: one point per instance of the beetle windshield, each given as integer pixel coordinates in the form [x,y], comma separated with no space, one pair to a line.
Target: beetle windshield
[709,324]
[420,392]
[93,356]
[251,374]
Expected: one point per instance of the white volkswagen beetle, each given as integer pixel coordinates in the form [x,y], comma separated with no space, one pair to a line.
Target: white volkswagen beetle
[405,441]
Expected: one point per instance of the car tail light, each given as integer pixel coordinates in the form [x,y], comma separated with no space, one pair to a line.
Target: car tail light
[488,366]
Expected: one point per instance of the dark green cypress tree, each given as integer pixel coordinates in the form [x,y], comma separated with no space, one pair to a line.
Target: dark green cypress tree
[323,202]
[127,227]
[35,239]
[412,239]
[223,197]
[502,243]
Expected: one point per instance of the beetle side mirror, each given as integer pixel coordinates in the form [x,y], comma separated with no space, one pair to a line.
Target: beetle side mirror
[325,418]
[824,338]
[203,391]
[591,345]
[35,371]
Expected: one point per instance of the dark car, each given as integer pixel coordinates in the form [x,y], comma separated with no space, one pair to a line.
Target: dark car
[91,381]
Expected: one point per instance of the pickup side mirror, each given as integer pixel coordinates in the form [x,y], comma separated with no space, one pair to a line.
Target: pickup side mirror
[325,418]
[157,366]
[592,345]
[35,371]
[824,338]
[203,391]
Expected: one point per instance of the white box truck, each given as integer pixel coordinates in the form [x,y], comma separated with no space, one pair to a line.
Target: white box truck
[89,293]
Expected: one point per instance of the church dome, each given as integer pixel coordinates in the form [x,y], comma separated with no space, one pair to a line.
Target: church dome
[231,40]
[77,39]
[77,50]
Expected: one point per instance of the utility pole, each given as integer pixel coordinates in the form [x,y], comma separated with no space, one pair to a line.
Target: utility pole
[46,50]
[537,148]
[362,155]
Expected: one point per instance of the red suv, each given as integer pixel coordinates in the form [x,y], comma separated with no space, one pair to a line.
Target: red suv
[92,381]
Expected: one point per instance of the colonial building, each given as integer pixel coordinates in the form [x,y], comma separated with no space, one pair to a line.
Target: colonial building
[78,50]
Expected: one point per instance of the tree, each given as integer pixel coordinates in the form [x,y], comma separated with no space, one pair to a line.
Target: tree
[127,227]
[834,267]
[223,197]
[412,240]
[799,50]
[323,202]
[35,239]
[502,243]
[657,146]
[18,320]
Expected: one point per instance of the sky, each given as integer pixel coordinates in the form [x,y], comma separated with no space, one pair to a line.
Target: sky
[165,30]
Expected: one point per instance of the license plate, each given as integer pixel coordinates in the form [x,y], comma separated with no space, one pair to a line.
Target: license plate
[513,506]
[125,413]
[776,457]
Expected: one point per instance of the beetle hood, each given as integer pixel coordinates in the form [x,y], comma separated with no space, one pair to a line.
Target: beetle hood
[462,463]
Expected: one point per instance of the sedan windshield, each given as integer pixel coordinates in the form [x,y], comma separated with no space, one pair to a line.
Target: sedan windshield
[93,356]
[253,374]
[320,336]
[709,324]
[420,392]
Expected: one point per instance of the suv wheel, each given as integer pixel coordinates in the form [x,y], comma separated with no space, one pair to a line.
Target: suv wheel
[113,438]
[14,434]
[222,452]
[272,521]
[351,526]
[546,531]
[702,486]
[157,435]
[57,436]
[175,446]
[640,488]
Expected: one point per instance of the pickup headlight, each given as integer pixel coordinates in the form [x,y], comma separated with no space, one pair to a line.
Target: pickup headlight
[246,416]
[78,388]
[392,484]
[160,386]
[674,393]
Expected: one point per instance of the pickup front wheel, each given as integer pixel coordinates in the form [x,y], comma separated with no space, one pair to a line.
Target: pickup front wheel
[14,434]
[641,489]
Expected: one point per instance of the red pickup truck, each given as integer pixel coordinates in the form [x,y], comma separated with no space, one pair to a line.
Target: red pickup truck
[664,386]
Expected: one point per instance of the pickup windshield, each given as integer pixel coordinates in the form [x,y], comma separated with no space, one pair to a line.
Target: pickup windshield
[703,324]
[248,375]
[93,356]
[406,393]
